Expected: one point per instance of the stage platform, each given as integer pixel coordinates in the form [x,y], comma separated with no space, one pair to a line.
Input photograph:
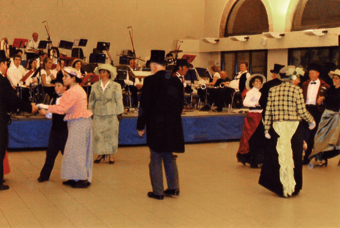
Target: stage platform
[33,131]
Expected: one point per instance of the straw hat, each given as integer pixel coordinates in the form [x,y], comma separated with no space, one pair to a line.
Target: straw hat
[332,73]
[249,86]
[109,68]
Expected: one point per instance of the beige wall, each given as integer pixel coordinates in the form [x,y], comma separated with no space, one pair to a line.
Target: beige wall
[156,24]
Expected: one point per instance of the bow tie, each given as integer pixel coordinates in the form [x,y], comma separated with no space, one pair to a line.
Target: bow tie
[181,77]
[313,83]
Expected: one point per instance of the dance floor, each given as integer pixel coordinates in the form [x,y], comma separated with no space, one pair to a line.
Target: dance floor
[33,131]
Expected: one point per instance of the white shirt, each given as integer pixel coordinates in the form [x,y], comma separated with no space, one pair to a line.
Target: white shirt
[235,83]
[31,44]
[48,77]
[128,82]
[14,74]
[216,74]
[181,79]
[312,92]
[102,85]
[252,99]
[29,80]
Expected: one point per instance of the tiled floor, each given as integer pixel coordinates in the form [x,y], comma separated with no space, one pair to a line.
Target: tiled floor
[215,192]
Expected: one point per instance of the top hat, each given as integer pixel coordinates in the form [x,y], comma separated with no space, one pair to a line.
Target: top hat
[109,68]
[157,56]
[250,86]
[3,56]
[182,62]
[315,66]
[59,78]
[277,68]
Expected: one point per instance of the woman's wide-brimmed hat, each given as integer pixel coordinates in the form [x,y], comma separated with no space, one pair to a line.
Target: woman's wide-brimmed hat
[72,71]
[291,72]
[249,86]
[332,73]
[75,61]
[109,68]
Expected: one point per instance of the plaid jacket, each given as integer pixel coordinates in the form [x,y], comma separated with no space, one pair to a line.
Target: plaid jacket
[285,102]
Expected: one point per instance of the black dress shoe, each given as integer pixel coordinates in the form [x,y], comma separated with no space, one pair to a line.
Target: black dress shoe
[41,179]
[81,184]
[305,162]
[4,187]
[69,182]
[173,192]
[159,197]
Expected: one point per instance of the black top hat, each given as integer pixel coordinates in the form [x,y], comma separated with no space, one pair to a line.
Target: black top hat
[3,56]
[315,66]
[59,78]
[182,62]
[157,56]
[277,68]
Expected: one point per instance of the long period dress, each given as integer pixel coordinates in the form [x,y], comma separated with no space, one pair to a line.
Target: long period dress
[78,156]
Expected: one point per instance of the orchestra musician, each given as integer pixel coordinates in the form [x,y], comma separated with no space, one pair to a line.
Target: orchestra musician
[77,64]
[8,101]
[17,52]
[46,73]
[32,46]
[16,72]
[32,67]
[217,93]
[135,85]
[216,75]
[181,70]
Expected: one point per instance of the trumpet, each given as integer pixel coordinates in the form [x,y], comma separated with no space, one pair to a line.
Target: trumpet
[222,85]
[201,86]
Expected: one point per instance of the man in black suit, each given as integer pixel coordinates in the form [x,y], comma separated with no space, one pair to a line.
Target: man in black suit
[160,111]
[8,101]
[266,86]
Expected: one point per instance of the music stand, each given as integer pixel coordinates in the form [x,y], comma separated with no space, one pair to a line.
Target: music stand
[43,44]
[19,43]
[103,46]
[203,72]
[189,58]
[97,58]
[65,44]
[80,42]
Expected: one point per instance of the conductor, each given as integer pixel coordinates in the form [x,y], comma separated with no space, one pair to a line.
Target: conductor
[160,111]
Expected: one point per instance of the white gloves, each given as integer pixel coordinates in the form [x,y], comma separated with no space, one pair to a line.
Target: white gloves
[48,115]
[42,106]
[267,135]
[312,125]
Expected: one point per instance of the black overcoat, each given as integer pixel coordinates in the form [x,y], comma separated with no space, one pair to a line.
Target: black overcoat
[160,111]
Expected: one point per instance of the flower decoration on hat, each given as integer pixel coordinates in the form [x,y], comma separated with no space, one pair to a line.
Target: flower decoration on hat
[71,71]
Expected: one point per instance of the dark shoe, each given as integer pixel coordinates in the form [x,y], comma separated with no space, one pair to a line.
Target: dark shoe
[296,193]
[322,163]
[99,158]
[69,182]
[81,184]
[171,192]
[112,162]
[254,166]
[4,187]
[41,179]
[159,197]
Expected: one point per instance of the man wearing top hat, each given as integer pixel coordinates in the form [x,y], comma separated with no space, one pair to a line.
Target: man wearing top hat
[8,101]
[160,111]
[268,85]
[313,94]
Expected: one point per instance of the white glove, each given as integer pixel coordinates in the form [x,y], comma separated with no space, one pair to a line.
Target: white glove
[312,125]
[267,135]
[48,115]
[42,106]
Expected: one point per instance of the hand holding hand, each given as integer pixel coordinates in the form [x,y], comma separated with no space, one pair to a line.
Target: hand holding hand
[312,125]
[42,106]
[43,111]
[141,133]
[34,108]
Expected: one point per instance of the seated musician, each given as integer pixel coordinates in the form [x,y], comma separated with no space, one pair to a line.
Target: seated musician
[16,72]
[215,95]
[133,84]
[77,64]
[32,46]
[216,75]
[60,67]
[181,70]
[17,52]
[46,73]
[30,70]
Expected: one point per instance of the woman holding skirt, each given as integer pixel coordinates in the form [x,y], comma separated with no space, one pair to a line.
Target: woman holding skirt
[327,137]
[250,149]
[77,161]
[106,103]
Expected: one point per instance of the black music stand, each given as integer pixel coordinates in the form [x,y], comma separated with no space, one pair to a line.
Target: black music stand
[65,44]
[104,46]
[43,44]
[97,58]
[80,43]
